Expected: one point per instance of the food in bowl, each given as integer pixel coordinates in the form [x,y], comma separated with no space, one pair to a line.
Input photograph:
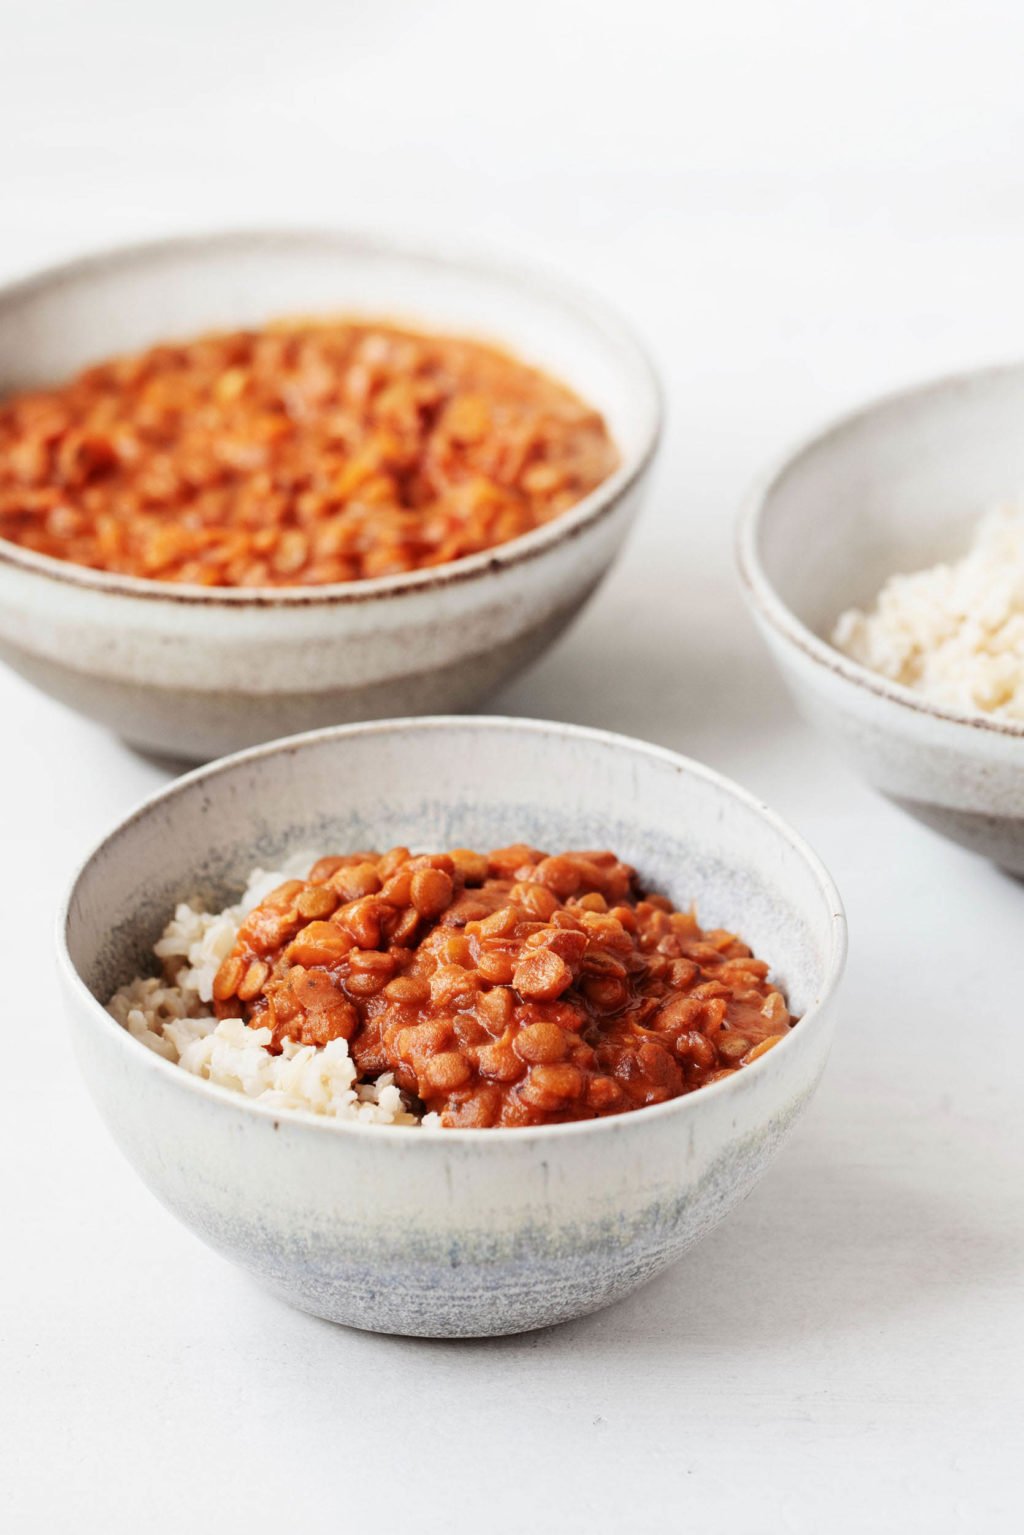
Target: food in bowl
[457,989]
[298,454]
[450,1232]
[953,632]
[199,671]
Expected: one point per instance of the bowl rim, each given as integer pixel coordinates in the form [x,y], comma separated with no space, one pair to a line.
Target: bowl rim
[544,284]
[765,601]
[289,745]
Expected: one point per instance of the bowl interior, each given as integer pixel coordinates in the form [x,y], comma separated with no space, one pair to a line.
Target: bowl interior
[895,488]
[447,783]
[175,289]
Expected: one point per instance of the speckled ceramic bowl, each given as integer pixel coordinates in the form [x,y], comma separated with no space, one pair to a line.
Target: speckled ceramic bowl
[195,672]
[453,1232]
[896,487]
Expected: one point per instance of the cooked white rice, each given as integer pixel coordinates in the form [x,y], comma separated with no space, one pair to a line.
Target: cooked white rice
[172,1015]
[954,633]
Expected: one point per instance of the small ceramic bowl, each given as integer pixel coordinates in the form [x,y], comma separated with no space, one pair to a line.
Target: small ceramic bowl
[195,672]
[894,488]
[451,1232]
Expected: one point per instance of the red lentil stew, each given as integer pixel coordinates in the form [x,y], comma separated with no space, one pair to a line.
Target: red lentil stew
[294,455]
[507,988]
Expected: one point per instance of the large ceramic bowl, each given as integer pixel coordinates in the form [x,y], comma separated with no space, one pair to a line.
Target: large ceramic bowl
[451,1232]
[896,487]
[195,672]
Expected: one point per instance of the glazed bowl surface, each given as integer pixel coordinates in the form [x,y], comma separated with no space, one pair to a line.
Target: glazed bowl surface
[450,1232]
[194,672]
[896,487]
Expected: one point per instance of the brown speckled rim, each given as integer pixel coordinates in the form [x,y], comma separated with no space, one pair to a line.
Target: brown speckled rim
[833,964]
[765,601]
[591,510]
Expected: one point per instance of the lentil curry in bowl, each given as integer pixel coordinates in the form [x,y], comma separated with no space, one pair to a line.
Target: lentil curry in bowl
[295,455]
[509,988]
[578,1042]
[207,543]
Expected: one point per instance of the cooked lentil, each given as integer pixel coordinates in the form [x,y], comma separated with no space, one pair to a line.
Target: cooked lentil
[294,455]
[512,988]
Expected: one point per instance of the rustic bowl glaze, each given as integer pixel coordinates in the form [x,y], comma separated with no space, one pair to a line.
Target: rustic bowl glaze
[451,1232]
[195,672]
[896,487]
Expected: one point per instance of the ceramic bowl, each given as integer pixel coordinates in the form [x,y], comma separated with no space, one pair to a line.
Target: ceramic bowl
[451,1232]
[896,487]
[195,672]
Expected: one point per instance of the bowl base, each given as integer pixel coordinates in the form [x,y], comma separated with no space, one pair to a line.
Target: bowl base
[491,1310]
[998,838]
[192,725]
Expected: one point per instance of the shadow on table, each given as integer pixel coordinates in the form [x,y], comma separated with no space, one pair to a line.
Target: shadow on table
[660,676]
[824,1248]
[174,767]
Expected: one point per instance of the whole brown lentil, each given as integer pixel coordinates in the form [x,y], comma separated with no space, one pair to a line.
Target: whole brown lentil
[295,455]
[509,988]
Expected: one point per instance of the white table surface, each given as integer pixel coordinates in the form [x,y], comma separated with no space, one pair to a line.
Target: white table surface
[800,205]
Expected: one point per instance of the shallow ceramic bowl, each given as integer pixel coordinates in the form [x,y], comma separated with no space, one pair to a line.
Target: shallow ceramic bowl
[896,487]
[195,672]
[451,1232]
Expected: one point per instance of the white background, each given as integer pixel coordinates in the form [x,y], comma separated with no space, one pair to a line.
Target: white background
[799,204]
